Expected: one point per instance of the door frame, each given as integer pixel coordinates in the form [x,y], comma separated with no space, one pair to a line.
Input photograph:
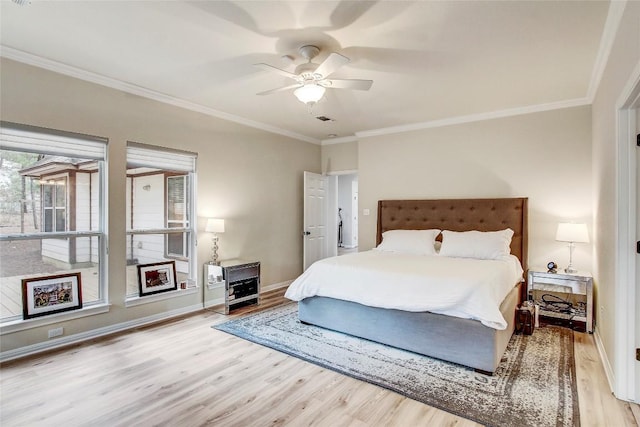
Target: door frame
[334,197]
[625,366]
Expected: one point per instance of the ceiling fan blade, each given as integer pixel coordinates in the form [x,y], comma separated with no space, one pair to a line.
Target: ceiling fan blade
[354,84]
[277,70]
[331,64]
[280,89]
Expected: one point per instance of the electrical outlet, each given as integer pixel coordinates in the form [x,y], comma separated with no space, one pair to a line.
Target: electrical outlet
[56,332]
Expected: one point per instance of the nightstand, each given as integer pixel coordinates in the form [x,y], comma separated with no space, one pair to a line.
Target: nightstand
[239,281]
[563,296]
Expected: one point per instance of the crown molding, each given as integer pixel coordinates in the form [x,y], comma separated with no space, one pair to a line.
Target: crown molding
[341,140]
[611,25]
[475,117]
[67,70]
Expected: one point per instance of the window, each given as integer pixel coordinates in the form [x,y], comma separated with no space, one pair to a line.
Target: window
[160,211]
[52,203]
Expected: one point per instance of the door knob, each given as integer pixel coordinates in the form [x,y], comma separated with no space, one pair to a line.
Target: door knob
[306,233]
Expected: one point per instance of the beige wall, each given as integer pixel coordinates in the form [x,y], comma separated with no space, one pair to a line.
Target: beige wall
[623,58]
[543,156]
[340,157]
[251,178]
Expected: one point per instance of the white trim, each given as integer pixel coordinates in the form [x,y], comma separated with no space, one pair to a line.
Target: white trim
[23,325]
[135,301]
[608,370]
[340,140]
[476,117]
[94,333]
[625,295]
[67,70]
[343,172]
[275,286]
[614,16]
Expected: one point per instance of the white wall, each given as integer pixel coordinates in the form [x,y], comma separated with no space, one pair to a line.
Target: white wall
[543,156]
[340,157]
[624,56]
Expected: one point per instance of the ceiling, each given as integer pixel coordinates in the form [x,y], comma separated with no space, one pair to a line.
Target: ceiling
[430,61]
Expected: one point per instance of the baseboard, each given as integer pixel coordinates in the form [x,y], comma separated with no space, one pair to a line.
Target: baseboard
[94,333]
[608,371]
[274,286]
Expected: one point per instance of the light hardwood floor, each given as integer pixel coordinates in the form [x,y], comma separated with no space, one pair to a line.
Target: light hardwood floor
[184,373]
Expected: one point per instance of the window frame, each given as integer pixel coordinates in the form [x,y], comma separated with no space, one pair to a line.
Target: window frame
[169,162]
[184,223]
[27,138]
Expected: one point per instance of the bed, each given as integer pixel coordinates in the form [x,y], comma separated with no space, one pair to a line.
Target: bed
[473,342]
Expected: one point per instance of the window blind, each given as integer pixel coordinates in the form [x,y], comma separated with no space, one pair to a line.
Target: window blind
[142,155]
[32,139]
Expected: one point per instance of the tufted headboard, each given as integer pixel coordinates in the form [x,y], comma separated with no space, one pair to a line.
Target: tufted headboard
[458,215]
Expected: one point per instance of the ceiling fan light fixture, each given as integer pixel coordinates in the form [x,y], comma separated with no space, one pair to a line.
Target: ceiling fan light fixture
[309,93]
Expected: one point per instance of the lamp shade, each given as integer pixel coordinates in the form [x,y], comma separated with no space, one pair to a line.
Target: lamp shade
[309,93]
[214,225]
[570,232]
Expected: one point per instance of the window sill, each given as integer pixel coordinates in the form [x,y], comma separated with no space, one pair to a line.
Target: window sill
[21,325]
[135,301]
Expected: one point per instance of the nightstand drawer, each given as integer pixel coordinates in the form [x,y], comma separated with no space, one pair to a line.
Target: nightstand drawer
[560,285]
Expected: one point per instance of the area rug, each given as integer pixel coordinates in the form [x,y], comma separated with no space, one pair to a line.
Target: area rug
[533,386]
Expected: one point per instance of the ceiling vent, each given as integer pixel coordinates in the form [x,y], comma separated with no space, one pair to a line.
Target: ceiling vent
[324,119]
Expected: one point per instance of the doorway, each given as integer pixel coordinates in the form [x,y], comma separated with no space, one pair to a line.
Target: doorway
[347,226]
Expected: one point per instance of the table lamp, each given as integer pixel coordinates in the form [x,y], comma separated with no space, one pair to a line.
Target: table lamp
[214,226]
[572,233]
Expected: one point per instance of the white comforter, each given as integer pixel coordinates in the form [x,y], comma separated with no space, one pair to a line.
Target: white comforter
[460,287]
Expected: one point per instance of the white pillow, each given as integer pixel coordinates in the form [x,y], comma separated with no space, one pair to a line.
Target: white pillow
[415,242]
[476,244]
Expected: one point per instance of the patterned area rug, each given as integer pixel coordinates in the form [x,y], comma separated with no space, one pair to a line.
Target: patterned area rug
[533,386]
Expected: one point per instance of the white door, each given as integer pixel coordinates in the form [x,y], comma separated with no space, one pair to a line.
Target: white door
[314,232]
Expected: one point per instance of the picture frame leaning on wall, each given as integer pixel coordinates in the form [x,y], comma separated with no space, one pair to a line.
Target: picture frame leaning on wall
[157,277]
[45,295]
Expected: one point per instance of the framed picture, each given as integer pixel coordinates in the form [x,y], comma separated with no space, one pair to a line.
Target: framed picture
[42,296]
[157,277]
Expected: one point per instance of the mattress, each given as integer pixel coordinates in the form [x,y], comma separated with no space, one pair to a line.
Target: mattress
[459,287]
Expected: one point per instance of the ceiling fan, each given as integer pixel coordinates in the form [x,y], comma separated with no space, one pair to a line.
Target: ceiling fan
[311,80]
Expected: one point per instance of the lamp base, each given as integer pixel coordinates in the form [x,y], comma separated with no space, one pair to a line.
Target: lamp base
[570,269]
[214,250]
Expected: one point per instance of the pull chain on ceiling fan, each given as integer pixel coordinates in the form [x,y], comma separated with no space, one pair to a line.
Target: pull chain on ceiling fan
[312,79]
